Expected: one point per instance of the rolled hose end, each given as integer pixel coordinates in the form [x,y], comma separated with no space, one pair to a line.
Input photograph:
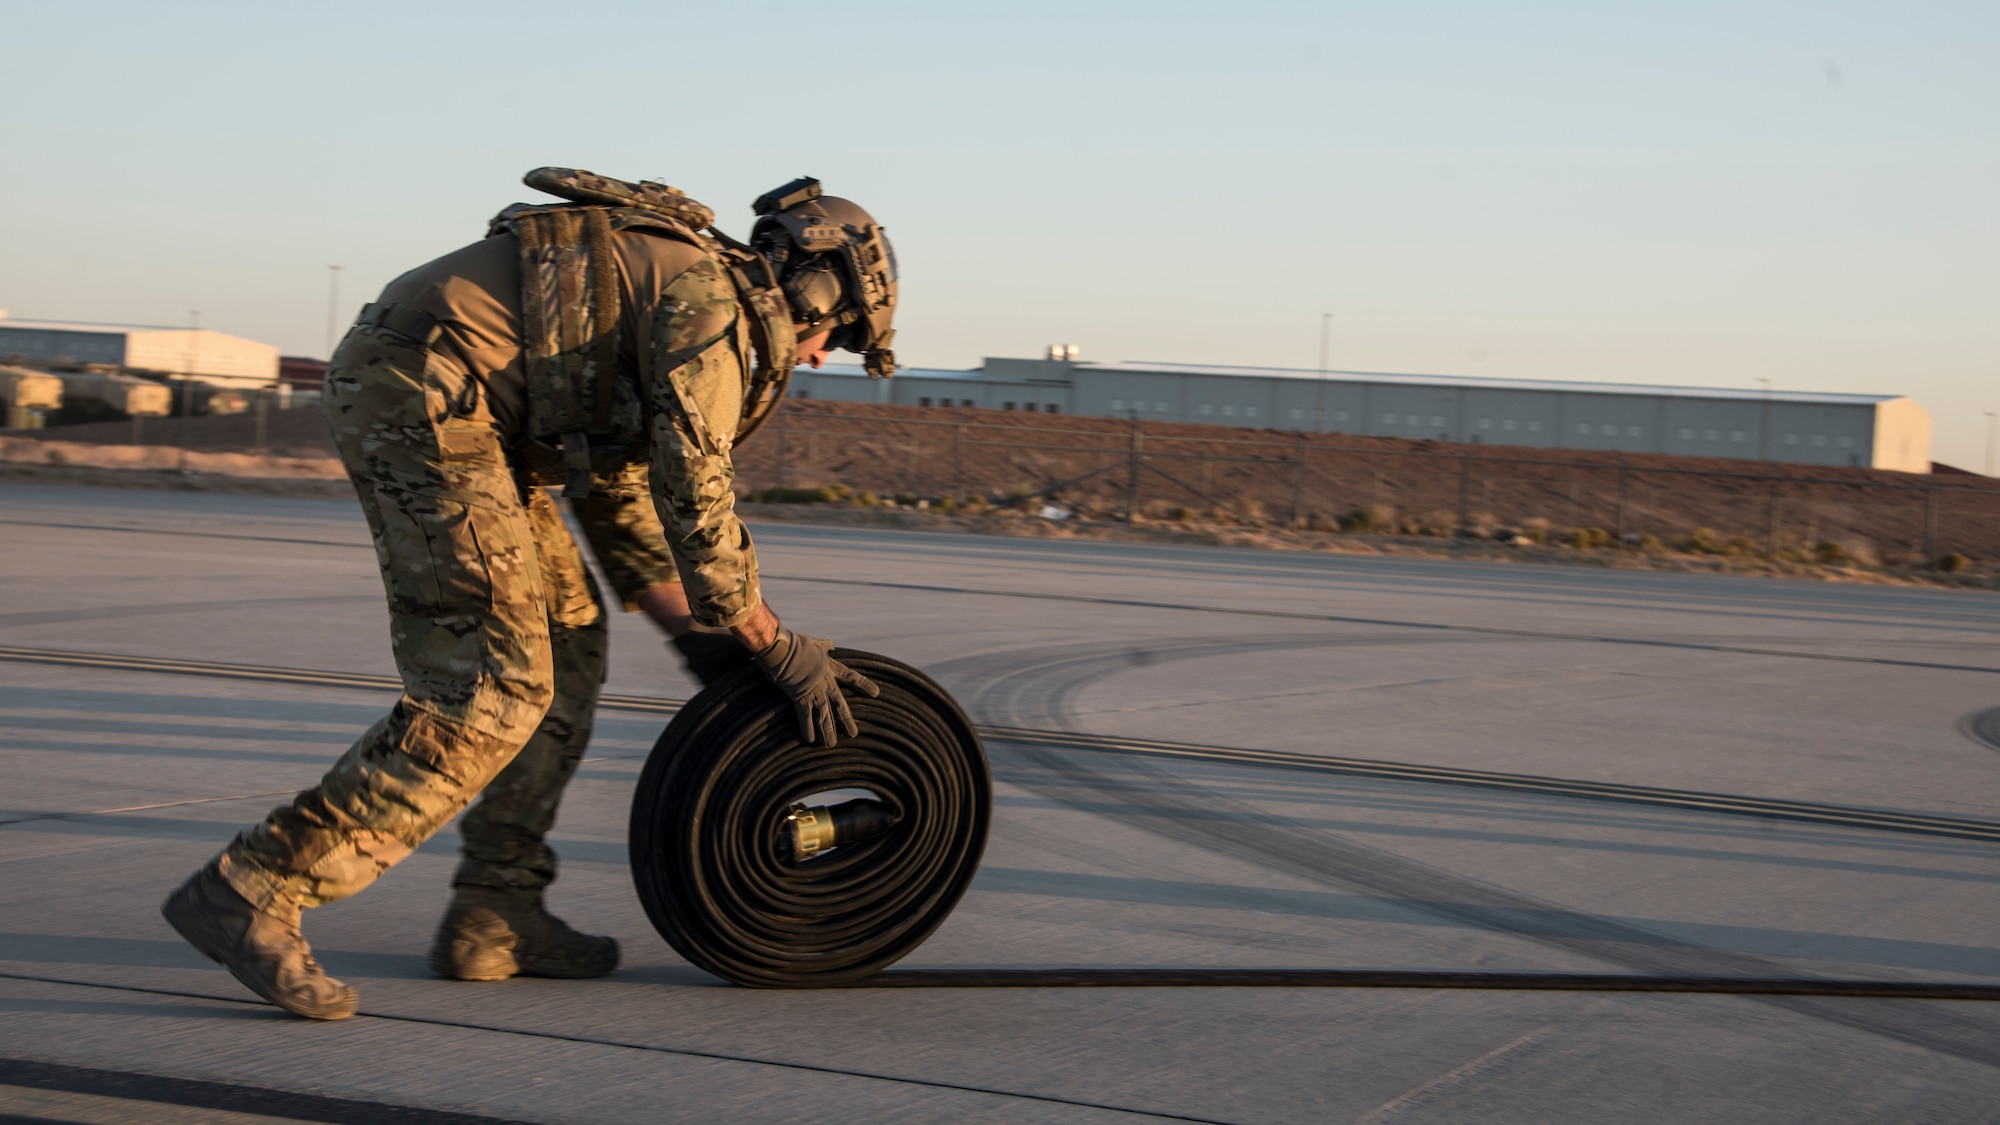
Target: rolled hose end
[809,830]
[747,880]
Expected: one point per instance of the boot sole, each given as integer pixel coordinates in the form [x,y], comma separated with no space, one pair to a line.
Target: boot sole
[189,921]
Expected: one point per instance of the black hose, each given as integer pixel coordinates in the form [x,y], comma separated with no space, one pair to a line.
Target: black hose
[1419,978]
[711,806]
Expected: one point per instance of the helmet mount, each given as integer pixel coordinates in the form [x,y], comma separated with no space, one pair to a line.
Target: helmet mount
[835,266]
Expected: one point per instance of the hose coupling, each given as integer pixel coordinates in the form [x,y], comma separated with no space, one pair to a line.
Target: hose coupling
[810,830]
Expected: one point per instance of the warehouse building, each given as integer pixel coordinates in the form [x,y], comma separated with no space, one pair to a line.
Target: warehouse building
[213,357]
[1871,431]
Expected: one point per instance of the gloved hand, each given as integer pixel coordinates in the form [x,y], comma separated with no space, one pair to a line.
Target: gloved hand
[800,667]
[711,656]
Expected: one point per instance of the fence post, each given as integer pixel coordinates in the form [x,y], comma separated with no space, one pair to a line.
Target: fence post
[1299,482]
[1771,532]
[1465,488]
[1930,520]
[1132,479]
[958,465]
[782,415]
[1618,521]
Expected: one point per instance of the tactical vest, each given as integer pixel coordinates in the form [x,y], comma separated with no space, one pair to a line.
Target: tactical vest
[569,321]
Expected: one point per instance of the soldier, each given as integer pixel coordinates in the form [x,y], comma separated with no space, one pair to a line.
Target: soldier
[615,344]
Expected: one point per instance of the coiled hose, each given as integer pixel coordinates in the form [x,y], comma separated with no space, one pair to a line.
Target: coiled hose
[709,819]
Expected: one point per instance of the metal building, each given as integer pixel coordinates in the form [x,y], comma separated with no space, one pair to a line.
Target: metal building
[27,397]
[1873,431]
[213,357]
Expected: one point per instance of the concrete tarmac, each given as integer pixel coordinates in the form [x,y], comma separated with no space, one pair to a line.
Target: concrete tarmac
[121,782]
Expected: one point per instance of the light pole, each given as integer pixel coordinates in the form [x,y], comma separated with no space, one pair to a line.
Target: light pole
[187,383]
[1325,343]
[332,306]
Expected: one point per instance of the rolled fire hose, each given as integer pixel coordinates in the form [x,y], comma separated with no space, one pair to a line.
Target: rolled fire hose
[755,866]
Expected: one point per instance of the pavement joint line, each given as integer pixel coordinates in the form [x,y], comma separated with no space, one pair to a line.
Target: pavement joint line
[241,1101]
[595,1041]
[188,534]
[144,808]
[1341,619]
[1845,816]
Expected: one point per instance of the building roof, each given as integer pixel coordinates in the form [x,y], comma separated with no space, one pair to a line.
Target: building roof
[90,326]
[1475,382]
[1472,382]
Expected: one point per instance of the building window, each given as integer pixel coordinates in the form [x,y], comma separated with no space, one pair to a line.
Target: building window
[1791,439]
[1160,406]
[1686,434]
[967,402]
[1437,421]
[1118,404]
[1297,414]
[1206,409]
[1388,419]
[1486,423]
[1583,427]
[1412,420]
[1533,427]
[1249,412]
[1844,441]
[1006,406]
[925,401]
[1632,431]
[1711,435]
[1608,430]
[1738,436]
[1229,412]
[1819,439]
[1507,425]
[1340,415]
[1050,408]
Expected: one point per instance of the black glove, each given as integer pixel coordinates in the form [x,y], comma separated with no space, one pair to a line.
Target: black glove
[800,667]
[711,656]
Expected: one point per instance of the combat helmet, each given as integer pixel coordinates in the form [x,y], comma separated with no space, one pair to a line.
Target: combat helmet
[836,268]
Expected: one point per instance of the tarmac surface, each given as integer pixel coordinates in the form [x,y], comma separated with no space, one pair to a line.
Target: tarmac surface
[120,782]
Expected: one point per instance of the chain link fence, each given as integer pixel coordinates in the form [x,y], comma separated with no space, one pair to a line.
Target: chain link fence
[1107,469]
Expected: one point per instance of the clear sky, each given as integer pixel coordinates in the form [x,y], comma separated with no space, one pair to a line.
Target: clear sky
[1689,192]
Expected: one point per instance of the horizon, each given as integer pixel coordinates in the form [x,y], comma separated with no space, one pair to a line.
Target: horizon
[1698,195]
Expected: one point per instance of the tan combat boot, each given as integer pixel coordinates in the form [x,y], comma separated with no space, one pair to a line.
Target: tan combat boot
[491,934]
[260,949]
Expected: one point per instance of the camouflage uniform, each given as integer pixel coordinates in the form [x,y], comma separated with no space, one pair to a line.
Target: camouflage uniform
[497,626]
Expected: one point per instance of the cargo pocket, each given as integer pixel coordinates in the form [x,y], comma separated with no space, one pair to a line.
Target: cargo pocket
[380,410]
[433,560]
[709,392]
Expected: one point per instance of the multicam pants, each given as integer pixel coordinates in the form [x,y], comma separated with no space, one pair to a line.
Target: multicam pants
[497,629]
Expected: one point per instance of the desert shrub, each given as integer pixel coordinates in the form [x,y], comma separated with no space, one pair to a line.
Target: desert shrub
[1651,545]
[1741,545]
[866,500]
[1374,517]
[1181,513]
[1830,553]
[1246,509]
[1434,522]
[948,504]
[1587,538]
[827,495]
[1704,541]
[1954,563]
